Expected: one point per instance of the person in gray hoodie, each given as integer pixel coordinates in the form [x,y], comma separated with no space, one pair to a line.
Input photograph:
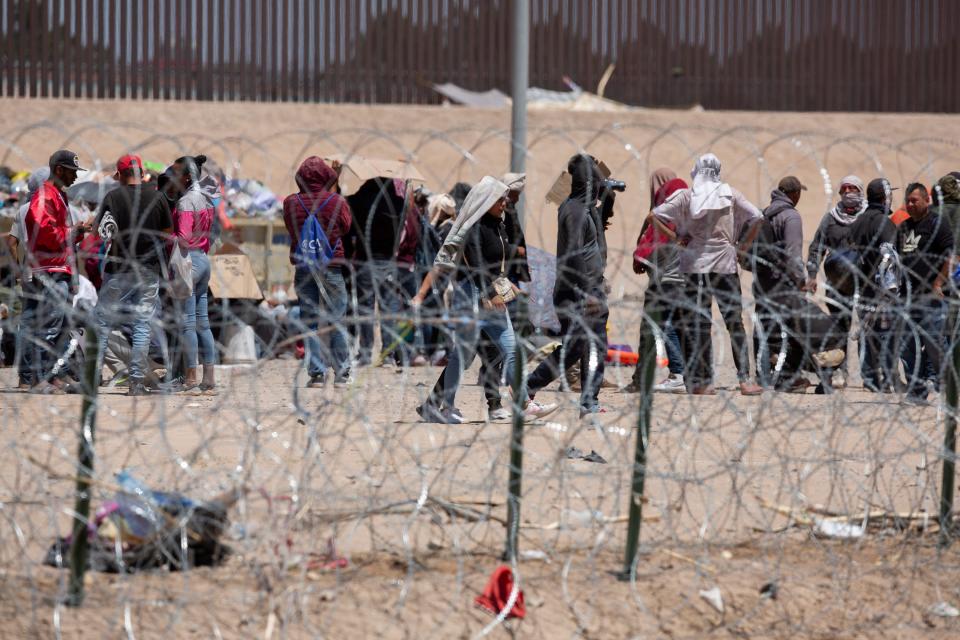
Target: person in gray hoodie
[778,281]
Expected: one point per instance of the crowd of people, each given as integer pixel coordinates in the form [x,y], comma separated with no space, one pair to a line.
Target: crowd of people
[892,271]
[445,275]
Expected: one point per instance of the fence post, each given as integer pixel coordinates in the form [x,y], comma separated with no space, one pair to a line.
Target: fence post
[951,395]
[516,457]
[647,364]
[79,547]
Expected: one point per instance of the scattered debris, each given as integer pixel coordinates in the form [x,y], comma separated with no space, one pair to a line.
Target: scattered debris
[836,529]
[496,596]
[714,598]
[572,453]
[944,610]
[769,590]
[535,554]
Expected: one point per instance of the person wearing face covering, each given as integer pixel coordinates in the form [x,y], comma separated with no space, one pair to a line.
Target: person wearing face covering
[474,255]
[710,216]
[873,238]
[831,247]
[579,293]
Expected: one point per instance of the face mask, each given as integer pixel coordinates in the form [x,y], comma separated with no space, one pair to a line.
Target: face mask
[851,200]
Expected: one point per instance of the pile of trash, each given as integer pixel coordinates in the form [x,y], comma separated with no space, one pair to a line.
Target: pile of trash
[251,198]
[141,528]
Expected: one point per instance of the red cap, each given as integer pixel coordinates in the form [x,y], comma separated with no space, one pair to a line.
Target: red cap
[128,162]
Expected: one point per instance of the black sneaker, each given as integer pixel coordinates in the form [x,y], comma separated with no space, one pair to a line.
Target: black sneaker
[137,388]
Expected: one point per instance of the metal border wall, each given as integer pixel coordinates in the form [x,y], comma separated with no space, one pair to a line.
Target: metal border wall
[832,55]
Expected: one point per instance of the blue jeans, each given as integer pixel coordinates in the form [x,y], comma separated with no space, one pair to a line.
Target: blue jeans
[923,344]
[48,306]
[381,284]
[196,324]
[128,299]
[323,304]
[472,320]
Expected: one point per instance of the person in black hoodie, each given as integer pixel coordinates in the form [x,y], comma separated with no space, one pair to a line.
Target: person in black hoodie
[579,294]
[873,237]
[379,213]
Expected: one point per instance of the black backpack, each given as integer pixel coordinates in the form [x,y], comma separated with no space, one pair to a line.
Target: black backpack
[765,257]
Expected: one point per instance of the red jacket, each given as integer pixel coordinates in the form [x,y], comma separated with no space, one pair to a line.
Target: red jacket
[315,177]
[48,231]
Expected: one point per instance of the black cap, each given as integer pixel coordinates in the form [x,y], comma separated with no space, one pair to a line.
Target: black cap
[791,184]
[67,159]
[877,190]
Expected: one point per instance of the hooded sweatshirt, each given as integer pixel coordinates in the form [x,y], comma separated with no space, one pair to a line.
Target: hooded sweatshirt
[379,215]
[871,229]
[315,179]
[581,243]
[946,202]
[787,225]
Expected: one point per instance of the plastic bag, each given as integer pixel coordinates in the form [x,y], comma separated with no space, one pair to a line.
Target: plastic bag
[181,274]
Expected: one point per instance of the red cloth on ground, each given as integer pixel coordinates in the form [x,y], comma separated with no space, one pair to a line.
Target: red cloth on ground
[497,593]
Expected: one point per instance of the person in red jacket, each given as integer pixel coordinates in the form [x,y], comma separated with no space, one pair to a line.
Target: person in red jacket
[321,289]
[49,294]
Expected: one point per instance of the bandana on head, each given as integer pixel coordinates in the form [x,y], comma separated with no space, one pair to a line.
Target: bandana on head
[708,193]
[852,203]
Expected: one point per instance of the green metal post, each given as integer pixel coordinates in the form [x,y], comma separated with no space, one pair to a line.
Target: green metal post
[951,395]
[79,548]
[516,458]
[648,360]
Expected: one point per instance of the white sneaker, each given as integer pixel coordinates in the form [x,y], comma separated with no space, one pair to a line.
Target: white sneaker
[534,410]
[672,384]
[499,415]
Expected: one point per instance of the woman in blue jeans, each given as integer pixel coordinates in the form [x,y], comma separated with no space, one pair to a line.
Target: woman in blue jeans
[474,254]
[192,219]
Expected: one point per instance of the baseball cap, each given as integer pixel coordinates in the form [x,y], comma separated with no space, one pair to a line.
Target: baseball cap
[128,162]
[791,184]
[877,190]
[67,159]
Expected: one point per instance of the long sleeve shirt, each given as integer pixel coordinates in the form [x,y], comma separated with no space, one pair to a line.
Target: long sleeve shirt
[713,235]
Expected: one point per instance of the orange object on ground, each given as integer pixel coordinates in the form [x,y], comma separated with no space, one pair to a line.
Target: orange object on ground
[622,357]
[497,593]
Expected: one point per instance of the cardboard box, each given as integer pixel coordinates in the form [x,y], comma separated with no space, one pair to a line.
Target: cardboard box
[358,169]
[231,275]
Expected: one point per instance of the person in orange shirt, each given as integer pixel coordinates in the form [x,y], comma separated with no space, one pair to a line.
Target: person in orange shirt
[899,215]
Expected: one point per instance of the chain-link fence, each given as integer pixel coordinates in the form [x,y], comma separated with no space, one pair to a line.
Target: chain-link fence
[333,510]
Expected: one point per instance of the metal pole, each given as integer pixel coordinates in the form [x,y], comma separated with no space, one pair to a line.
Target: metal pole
[647,364]
[79,548]
[516,458]
[951,395]
[520,79]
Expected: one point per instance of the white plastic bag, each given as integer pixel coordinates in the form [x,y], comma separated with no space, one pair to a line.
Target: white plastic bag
[181,274]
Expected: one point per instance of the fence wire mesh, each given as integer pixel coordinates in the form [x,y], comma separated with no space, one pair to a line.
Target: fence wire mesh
[780,515]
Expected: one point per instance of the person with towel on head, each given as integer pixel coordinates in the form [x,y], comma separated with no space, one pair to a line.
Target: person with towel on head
[473,256]
[710,217]
[831,247]
[491,365]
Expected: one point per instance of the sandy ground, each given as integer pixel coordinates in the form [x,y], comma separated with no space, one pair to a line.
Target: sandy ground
[352,464]
[413,572]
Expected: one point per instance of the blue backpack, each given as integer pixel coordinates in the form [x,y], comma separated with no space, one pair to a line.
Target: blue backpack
[313,250]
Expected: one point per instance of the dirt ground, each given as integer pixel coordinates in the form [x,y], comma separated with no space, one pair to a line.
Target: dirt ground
[353,465]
